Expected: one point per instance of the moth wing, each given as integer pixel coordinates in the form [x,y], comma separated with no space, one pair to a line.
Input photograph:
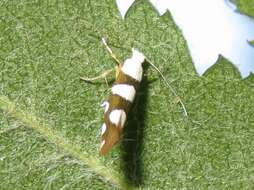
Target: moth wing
[109,138]
[112,132]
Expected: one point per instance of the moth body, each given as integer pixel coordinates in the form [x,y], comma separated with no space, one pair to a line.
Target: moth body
[120,100]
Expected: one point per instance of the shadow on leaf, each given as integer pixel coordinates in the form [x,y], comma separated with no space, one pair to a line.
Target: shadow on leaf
[132,144]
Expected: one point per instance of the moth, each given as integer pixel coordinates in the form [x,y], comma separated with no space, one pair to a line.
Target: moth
[128,77]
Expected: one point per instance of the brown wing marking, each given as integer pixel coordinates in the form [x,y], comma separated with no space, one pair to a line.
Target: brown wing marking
[110,137]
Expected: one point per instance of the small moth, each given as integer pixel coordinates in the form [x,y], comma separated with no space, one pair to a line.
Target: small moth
[116,107]
[119,102]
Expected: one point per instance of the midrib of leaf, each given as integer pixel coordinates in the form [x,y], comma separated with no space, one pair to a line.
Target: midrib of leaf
[74,150]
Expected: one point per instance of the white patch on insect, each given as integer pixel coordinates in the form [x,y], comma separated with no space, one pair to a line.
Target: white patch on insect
[118,117]
[102,143]
[125,91]
[105,104]
[103,128]
[133,65]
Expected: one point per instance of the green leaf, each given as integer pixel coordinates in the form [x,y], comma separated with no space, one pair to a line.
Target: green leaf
[246,7]
[50,120]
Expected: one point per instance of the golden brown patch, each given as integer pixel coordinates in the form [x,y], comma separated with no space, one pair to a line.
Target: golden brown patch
[113,132]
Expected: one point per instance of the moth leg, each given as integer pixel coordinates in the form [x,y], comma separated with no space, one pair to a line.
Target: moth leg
[117,71]
[119,63]
[108,72]
[103,75]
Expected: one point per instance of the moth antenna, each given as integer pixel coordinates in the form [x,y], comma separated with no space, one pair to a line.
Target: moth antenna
[169,86]
[104,41]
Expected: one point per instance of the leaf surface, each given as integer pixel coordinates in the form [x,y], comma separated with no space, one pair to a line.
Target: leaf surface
[46,46]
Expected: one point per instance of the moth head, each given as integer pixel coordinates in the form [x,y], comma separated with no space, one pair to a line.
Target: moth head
[138,56]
